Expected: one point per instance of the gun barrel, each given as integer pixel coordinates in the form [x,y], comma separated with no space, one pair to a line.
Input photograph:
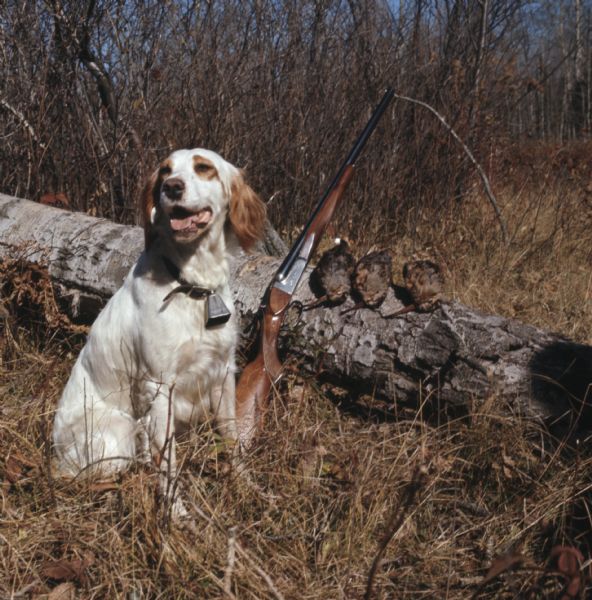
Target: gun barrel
[258,375]
[376,115]
[285,267]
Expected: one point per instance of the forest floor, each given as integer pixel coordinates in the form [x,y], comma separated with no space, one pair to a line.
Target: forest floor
[340,501]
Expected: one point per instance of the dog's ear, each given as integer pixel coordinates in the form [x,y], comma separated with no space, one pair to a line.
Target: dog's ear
[247,213]
[148,204]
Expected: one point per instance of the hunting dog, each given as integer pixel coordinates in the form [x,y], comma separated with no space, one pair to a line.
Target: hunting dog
[153,364]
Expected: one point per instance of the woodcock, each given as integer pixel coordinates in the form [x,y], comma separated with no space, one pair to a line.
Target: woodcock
[332,275]
[424,282]
[371,279]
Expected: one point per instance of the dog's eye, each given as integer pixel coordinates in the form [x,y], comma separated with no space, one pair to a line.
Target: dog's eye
[165,170]
[202,168]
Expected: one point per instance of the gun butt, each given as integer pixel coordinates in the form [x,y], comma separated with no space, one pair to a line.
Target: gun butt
[254,384]
[252,392]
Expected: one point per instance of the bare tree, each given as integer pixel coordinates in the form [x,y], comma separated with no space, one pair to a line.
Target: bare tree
[93,93]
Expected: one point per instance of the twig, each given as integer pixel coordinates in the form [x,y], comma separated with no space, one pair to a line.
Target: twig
[46,424]
[244,553]
[23,121]
[96,69]
[482,175]
[230,561]
[270,584]
[395,523]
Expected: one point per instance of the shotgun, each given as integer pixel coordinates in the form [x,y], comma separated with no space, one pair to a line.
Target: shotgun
[265,369]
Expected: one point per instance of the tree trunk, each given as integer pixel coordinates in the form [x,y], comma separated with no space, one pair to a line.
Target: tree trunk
[453,357]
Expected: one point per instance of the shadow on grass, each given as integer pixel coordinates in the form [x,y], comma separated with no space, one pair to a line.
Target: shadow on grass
[561,381]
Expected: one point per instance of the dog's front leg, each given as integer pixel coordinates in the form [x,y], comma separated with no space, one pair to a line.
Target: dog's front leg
[161,424]
[223,404]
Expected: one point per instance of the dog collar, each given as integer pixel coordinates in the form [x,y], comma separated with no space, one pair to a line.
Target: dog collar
[217,312]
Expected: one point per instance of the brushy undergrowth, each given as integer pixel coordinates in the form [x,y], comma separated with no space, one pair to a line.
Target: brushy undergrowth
[309,520]
[543,276]
[343,498]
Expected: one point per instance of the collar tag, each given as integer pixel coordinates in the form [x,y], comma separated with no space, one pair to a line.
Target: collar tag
[217,312]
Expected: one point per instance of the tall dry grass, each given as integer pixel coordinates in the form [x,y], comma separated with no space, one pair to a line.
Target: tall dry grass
[308,523]
[324,484]
[543,276]
[335,484]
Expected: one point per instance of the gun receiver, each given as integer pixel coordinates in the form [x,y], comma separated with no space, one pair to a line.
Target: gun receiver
[266,369]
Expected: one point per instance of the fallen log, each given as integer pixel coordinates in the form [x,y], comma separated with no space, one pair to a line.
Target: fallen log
[455,356]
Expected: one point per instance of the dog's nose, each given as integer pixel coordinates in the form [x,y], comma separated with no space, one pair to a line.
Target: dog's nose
[173,188]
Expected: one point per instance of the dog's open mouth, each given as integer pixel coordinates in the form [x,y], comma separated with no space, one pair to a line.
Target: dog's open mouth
[186,221]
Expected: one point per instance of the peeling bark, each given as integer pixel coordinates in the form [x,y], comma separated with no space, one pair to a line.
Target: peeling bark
[456,355]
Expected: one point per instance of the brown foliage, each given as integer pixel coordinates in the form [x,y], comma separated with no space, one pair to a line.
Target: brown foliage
[282,87]
[97,92]
[28,299]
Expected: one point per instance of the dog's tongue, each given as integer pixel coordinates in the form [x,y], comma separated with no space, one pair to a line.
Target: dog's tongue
[193,221]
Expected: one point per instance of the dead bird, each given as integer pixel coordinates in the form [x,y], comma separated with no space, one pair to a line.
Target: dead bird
[371,279]
[425,283]
[332,275]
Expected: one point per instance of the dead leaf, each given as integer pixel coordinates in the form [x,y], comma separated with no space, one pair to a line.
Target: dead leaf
[63,570]
[68,570]
[502,564]
[104,486]
[59,200]
[23,460]
[13,470]
[508,461]
[64,591]
[507,472]
[15,465]
[569,560]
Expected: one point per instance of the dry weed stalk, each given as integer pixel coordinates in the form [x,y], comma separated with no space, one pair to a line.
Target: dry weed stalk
[486,184]
[396,521]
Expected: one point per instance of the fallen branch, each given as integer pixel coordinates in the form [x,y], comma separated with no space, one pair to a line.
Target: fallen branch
[455,356]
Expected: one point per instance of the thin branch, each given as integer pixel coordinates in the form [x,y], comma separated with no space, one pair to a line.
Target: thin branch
[94,66]
[396,521]
[244,553]
[263,574]
[482,175]
[230,561]
[23,121]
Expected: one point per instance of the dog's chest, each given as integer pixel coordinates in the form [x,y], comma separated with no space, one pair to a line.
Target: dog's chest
[178,334]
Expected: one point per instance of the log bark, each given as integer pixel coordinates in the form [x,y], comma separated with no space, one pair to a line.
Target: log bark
[455,356]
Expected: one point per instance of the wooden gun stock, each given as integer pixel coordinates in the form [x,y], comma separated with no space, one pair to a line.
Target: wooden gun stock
[265,369]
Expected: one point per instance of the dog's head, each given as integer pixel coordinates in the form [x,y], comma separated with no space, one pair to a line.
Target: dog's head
[193,194]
